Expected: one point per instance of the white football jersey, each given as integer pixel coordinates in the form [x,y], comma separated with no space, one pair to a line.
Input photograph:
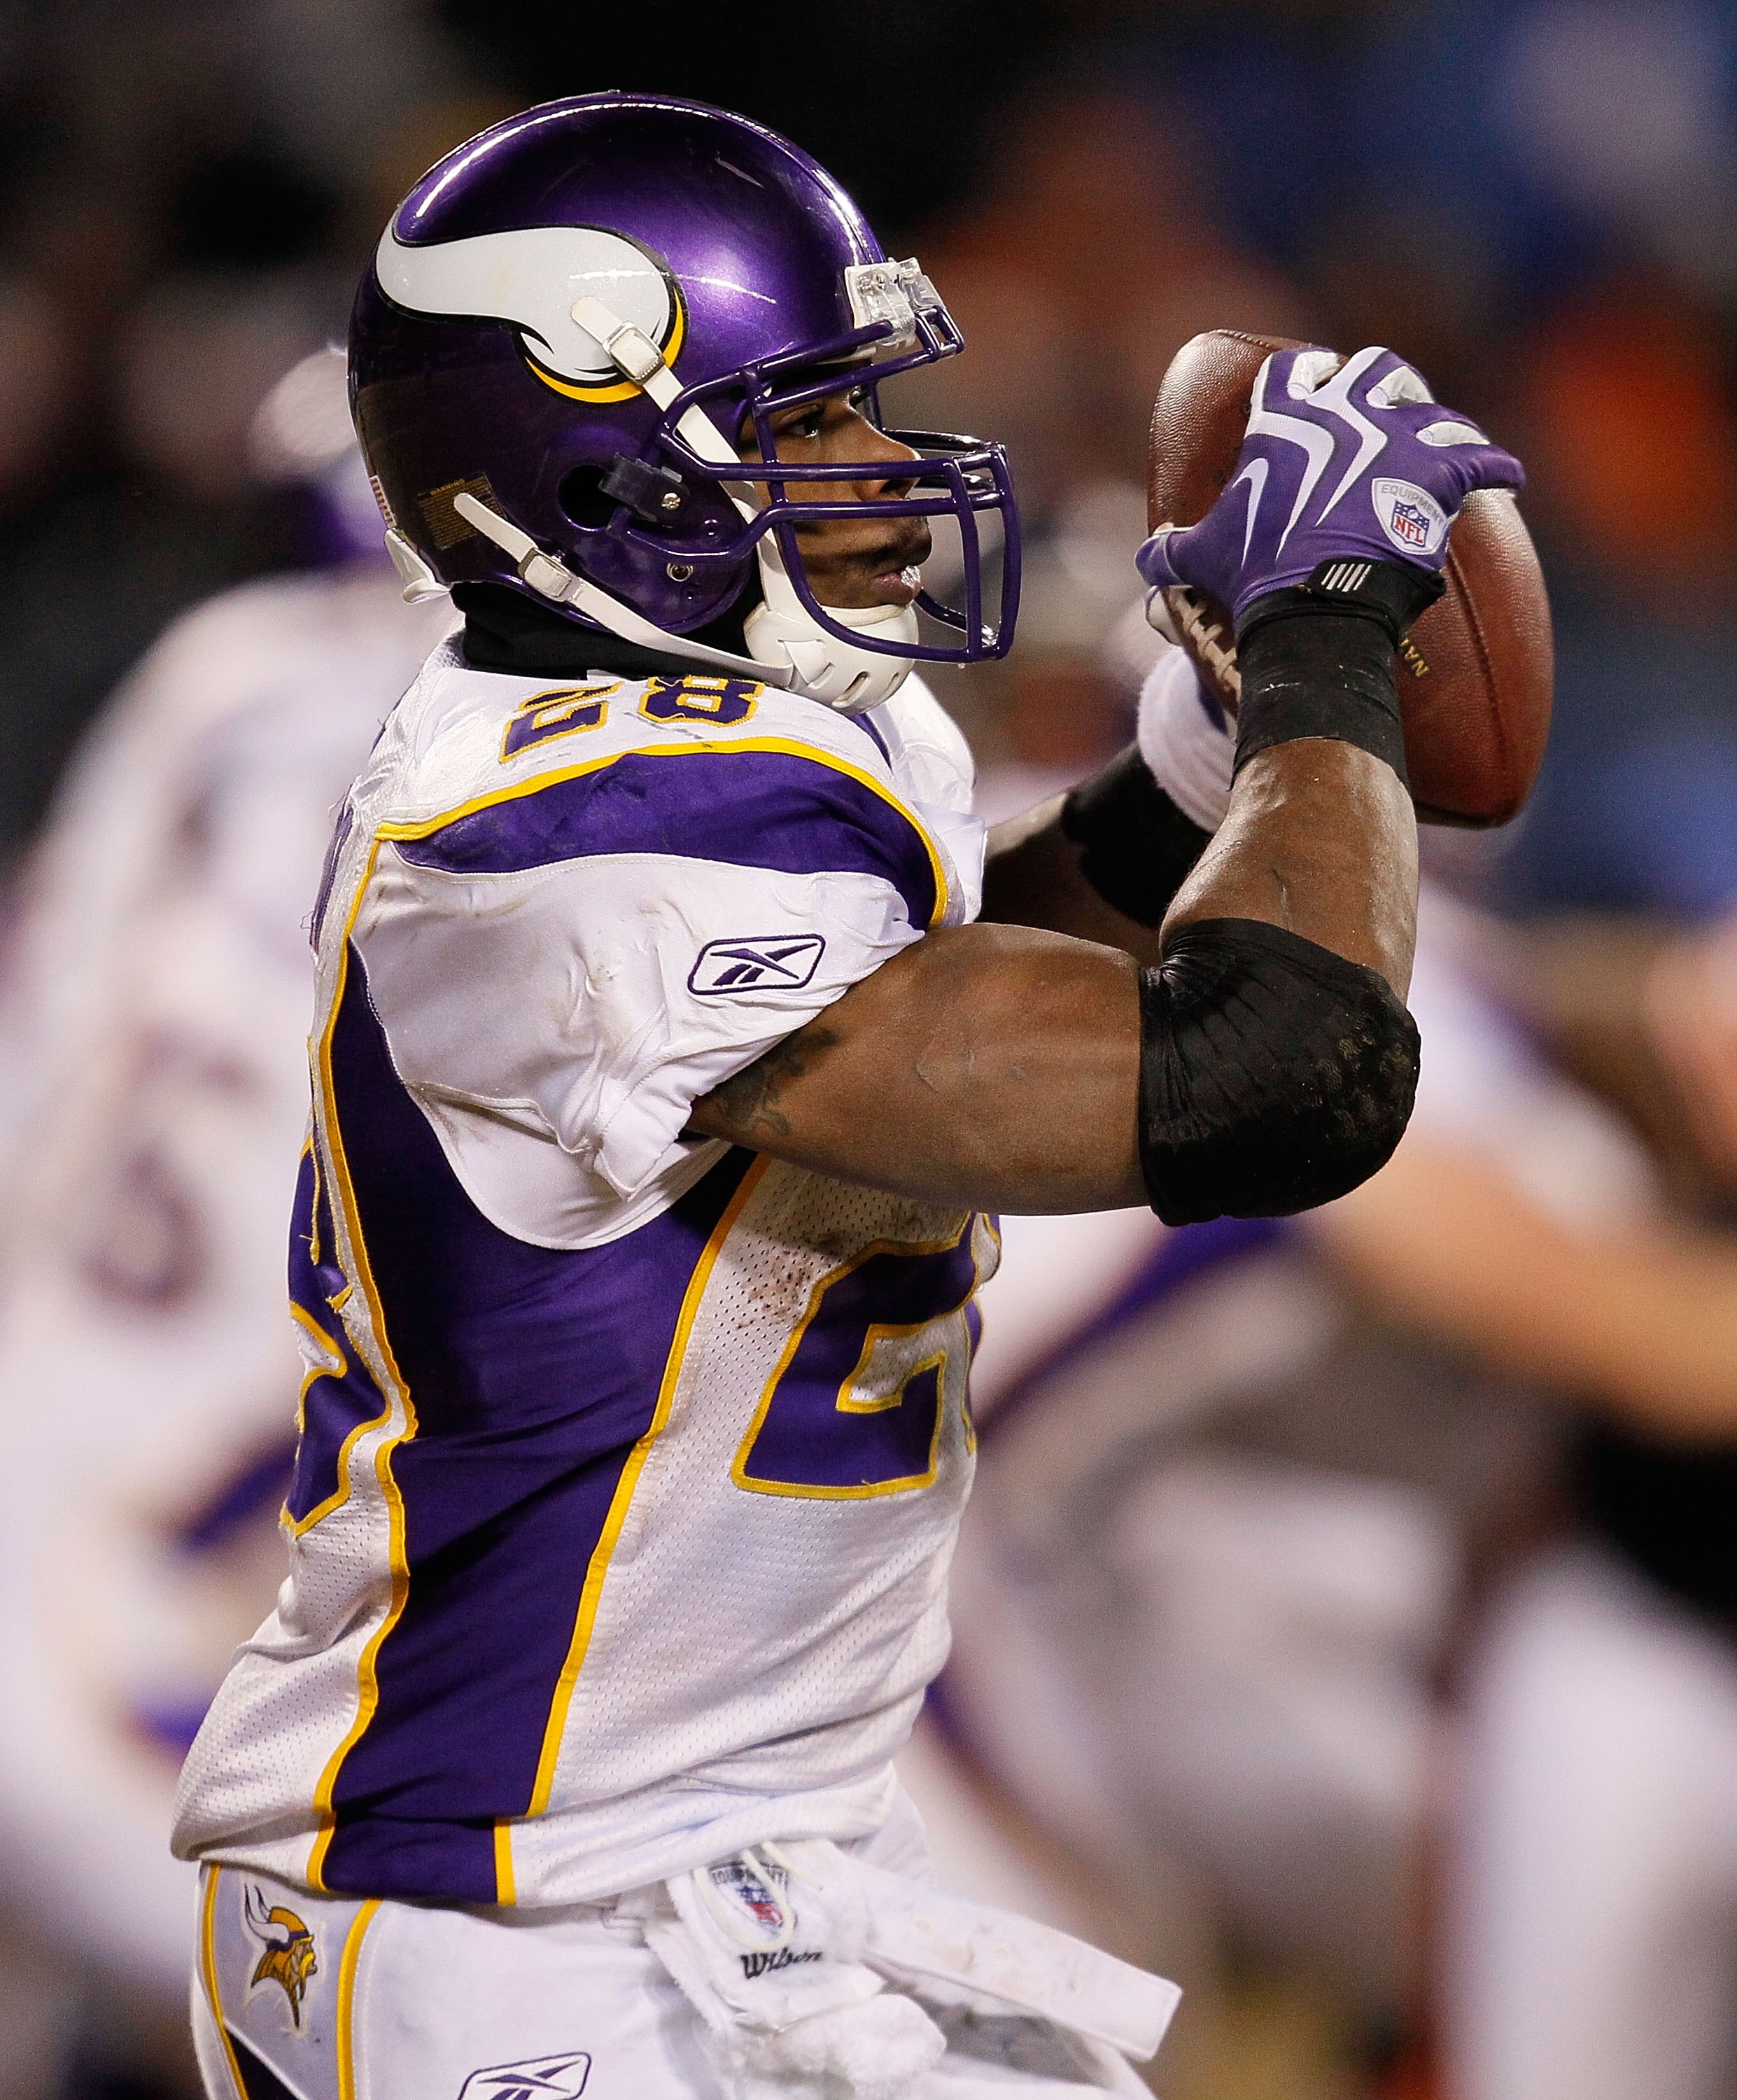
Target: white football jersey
[630,1463]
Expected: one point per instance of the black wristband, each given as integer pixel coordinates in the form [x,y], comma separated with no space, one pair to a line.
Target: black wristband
[1326,674]
[1317,659]
[1137,847]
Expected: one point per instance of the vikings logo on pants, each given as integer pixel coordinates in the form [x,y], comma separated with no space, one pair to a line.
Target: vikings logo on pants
[289,1961]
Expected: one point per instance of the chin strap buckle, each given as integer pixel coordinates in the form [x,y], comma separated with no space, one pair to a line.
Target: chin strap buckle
[636,355]
[548,576]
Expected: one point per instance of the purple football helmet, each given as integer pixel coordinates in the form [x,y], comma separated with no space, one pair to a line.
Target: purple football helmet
[568,326]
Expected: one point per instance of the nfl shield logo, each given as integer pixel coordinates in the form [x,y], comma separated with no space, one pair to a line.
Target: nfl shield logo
[761,1896]
[1410,525]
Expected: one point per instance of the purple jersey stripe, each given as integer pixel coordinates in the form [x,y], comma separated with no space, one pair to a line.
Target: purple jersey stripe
[411,1860]
[341,1400]
[533,1372]
[752,807]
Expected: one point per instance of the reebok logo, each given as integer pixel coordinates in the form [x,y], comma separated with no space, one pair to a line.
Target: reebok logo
[771,962]
[539,2078]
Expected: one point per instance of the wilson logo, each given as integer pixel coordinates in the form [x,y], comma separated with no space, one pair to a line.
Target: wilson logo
[770,962]
[786,1958]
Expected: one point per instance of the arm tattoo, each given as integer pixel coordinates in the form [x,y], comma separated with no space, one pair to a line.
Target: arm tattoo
[749,1102]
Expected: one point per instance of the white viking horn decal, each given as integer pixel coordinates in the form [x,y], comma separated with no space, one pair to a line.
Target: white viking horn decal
[257,1913]
[534,276]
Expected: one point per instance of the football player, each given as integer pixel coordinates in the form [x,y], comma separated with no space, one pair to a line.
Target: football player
[150,1016]
[153,1001]
[663,1077]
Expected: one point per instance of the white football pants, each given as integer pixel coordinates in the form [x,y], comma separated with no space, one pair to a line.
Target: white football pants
[1592,1942]
[301,1997]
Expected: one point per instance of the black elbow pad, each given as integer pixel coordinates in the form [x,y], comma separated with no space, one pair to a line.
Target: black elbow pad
[1274,1074]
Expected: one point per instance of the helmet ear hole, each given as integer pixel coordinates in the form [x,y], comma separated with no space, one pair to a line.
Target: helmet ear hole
[582,499]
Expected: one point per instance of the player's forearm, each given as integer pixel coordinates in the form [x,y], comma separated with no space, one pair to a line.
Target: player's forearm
[1252,1073]
[1321,839]
[1312,831]
[1641,1320]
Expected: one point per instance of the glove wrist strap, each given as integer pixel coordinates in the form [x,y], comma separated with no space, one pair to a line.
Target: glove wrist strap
[1391,594]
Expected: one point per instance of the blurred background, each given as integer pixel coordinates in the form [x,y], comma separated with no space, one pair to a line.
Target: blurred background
[1348,1620]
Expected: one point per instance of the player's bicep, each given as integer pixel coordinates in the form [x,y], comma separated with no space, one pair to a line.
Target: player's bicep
[993,1065]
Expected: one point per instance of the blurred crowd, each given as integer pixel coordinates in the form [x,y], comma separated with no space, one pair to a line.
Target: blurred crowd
[1347,1618]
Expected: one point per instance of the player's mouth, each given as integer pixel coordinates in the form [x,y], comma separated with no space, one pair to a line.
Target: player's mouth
[896,570]
[896,586]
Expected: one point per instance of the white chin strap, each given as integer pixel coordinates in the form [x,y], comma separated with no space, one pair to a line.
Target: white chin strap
[787,646]
[782,632]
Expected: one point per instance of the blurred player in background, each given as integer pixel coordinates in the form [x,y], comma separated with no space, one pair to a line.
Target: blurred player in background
[154,1017]
[1592,1930]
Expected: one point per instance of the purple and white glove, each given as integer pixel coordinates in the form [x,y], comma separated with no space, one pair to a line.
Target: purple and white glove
[1355,467]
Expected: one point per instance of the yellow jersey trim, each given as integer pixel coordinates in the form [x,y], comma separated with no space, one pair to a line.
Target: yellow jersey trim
[591,1593]
[423,828]
[296,1525]
[310,1152]
[347,1998]
[315,1372]
[367,1688]
[506,1892]
[208,1966]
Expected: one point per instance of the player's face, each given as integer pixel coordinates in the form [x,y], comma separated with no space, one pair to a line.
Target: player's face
[875,562]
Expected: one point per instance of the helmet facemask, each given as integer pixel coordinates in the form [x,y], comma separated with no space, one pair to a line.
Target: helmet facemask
[852,658]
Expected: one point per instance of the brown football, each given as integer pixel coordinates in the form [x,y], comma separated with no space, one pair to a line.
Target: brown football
[1476,671]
